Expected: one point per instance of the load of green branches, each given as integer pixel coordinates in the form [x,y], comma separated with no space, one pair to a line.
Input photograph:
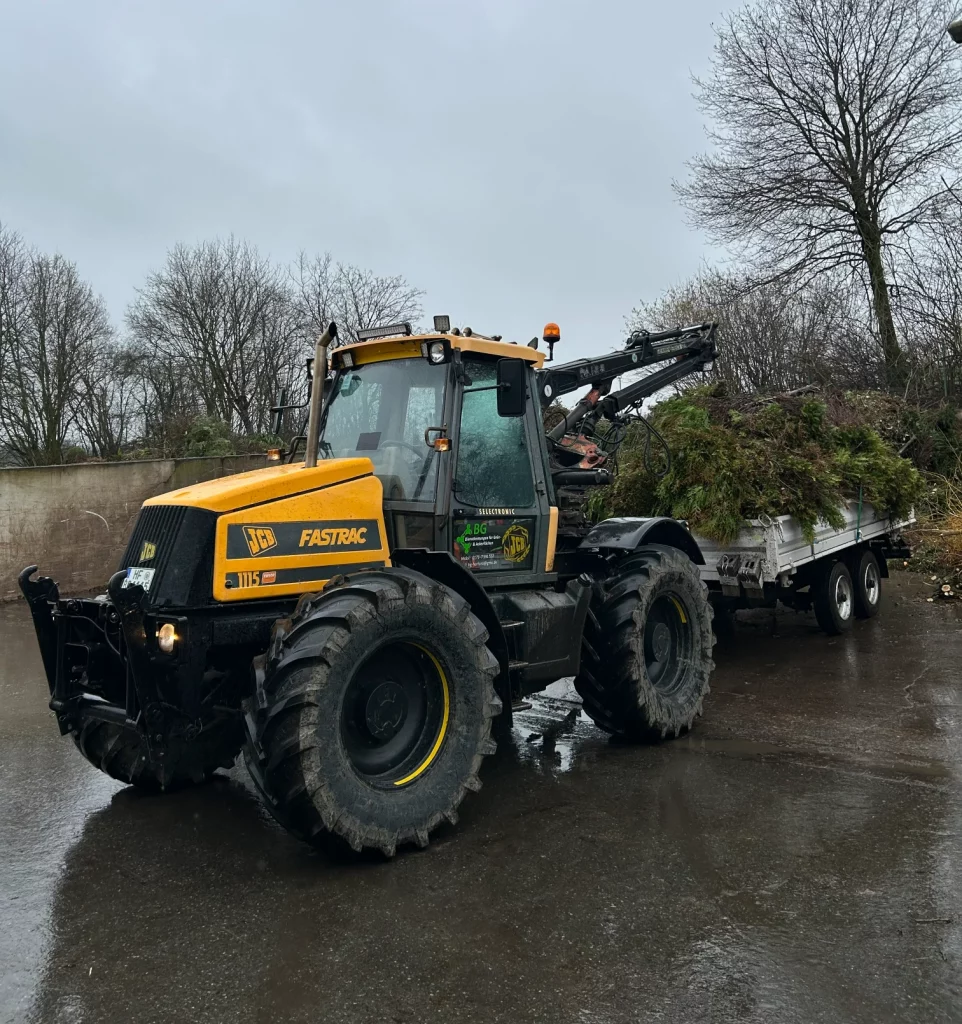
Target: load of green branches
[739,457]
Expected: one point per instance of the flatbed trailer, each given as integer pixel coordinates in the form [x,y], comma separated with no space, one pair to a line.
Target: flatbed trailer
[838,572]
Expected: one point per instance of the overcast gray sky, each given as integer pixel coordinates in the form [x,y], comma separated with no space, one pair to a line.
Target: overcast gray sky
[512,157]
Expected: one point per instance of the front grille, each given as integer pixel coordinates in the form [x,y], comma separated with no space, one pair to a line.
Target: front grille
[152,542]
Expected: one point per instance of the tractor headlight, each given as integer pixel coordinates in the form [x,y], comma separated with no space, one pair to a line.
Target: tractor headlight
[167,637]
[436,352]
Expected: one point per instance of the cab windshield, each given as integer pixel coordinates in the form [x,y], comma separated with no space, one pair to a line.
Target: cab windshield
[380,411]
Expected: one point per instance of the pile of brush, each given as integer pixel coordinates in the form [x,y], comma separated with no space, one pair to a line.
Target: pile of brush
[936,539]
[738,457]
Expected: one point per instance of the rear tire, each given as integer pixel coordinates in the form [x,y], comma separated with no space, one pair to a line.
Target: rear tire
[833,597]
[868,585]
[123,755]
[374,711]
[646,659]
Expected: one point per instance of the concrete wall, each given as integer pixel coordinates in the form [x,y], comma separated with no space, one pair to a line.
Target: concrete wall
[74,521]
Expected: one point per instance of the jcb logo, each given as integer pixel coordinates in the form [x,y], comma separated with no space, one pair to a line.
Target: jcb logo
[259,539]
[148,551]
[515,544]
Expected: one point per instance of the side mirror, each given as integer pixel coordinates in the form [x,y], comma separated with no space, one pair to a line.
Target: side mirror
[512,389]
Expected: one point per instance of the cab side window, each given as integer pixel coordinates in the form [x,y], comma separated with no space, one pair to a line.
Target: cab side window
[494,466]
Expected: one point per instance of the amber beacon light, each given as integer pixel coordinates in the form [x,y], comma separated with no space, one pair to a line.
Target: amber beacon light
[551,336]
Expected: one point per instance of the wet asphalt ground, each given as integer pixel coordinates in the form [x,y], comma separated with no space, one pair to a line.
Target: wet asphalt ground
[798,857]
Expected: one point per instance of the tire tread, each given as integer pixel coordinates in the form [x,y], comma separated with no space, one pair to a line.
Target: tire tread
[299,659]
[612,694]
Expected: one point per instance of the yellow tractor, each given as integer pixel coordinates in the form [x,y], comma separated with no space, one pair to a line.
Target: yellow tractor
[355,617]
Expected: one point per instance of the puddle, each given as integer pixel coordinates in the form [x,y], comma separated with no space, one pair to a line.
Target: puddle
[745,748]
[551,733]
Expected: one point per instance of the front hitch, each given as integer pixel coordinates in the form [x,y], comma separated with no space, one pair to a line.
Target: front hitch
[88,647]
[41,589]
[42,595]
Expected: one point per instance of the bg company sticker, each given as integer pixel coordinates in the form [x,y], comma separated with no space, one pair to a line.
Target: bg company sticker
[494,543]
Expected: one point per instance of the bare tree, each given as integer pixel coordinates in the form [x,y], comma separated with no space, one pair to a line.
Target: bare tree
[830,121]
[52,326]
[163,400]
[222,316]
[928,304]
[775,336]
[14,260]
[219,332]
[108,412]
[355,298]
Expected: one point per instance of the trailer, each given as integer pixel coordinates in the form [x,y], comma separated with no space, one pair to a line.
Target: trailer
[838,572]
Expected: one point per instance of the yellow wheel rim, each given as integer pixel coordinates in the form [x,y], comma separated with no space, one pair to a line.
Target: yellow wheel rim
[442,732]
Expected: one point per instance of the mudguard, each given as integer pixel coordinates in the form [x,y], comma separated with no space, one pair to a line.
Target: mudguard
[627,534]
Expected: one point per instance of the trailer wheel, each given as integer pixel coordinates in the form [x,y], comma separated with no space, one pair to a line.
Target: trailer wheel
[646,658]
[867,578]
[374,713]
[833,597]
[122,754]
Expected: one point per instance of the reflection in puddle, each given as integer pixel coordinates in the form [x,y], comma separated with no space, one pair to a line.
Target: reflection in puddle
[550,733]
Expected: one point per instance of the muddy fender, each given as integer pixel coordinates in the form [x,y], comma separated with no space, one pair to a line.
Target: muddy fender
[629,534]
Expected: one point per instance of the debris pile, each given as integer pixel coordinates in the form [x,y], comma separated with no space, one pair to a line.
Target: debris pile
[738,457]
[936,539]
[946,591]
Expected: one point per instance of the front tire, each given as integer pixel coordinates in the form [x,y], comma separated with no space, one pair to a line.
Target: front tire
[374,712]
[122,754]
[646,659]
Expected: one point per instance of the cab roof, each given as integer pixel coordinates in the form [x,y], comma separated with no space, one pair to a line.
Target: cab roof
[409,346]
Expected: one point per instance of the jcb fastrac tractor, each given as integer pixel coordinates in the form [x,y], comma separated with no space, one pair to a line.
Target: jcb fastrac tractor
[356,620]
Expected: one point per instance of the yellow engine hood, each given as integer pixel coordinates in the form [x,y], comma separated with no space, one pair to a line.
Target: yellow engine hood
[258,486]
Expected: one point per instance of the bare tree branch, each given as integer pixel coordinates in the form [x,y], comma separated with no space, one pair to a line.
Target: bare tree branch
[831,122]
[223,318]
[52,327]
[355,298]
[778,336]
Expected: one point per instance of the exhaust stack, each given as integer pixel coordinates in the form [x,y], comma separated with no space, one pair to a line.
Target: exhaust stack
[317,394]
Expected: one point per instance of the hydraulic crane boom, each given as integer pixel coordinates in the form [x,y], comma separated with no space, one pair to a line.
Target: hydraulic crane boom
[690,348]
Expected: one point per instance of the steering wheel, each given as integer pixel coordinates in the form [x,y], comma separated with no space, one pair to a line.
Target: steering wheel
[419,455]
[424,462]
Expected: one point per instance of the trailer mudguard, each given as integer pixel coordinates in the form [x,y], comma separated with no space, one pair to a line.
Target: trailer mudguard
[629,533]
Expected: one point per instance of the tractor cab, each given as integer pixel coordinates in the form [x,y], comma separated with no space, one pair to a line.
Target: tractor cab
[448,423]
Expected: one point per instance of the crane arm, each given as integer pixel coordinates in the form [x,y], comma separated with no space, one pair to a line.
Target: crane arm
[690,348]
[642,349]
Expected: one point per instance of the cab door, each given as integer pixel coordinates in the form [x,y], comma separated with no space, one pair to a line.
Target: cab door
[499,497]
